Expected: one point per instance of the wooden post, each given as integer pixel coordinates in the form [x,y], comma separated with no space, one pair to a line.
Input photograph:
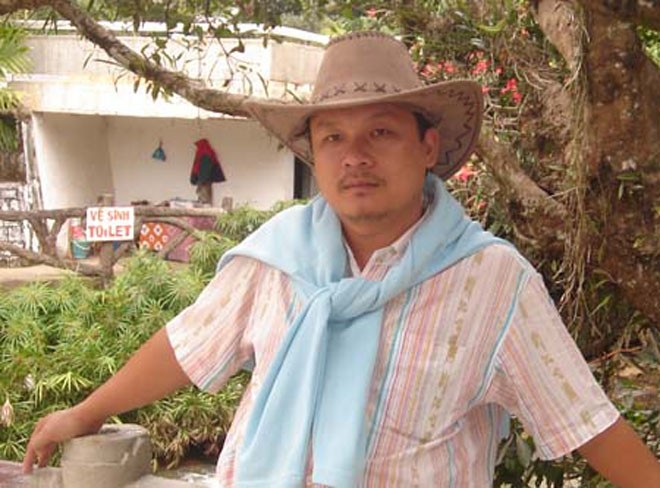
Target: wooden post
[107,253]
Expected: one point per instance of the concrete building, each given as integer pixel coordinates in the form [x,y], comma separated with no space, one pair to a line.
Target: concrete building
[91,132]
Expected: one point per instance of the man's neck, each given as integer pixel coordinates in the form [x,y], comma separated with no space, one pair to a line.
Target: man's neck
[367,237]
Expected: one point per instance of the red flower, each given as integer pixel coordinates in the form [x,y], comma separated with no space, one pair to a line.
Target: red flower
[447,66]
[480,68]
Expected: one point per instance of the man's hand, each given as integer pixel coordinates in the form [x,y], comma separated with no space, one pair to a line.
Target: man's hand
[54,429]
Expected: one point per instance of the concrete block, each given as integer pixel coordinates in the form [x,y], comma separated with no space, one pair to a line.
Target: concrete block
[116,456]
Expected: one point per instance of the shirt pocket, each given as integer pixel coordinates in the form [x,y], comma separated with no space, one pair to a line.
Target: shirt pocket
[424,406]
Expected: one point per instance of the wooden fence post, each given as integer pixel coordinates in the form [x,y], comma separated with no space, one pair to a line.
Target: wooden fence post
[106,253]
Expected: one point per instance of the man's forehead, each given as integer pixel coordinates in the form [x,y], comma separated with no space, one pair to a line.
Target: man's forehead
[371,111]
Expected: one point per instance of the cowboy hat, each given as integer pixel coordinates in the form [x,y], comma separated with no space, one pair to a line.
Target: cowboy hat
[363,68]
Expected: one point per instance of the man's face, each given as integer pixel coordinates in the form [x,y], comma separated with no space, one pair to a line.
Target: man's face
[370,163]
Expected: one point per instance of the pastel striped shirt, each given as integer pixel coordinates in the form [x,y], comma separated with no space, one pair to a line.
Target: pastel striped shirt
[456,352]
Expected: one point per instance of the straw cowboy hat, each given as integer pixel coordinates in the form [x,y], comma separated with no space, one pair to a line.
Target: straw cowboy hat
[362,68]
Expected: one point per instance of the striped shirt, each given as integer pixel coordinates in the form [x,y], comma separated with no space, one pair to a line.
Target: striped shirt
[455,354]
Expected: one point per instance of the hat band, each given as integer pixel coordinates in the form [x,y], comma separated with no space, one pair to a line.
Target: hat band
[356,89]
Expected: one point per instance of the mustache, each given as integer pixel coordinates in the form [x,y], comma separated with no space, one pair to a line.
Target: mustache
[362,177]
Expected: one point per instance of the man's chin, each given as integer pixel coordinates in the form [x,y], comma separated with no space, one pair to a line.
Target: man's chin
[358,216]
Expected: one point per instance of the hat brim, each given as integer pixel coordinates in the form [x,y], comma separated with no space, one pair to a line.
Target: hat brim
[454,107]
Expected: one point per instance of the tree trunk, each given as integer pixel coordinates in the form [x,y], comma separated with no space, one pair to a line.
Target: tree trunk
[622,153]
[621,143]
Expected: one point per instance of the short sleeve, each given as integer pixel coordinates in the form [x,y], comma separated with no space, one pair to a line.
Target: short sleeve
[543,379]
[208,337]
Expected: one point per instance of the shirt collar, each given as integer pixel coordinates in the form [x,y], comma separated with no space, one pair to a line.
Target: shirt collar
[386,256]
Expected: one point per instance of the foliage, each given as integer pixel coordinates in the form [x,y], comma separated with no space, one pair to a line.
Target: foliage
[60,341]
[13,59]
[239,223]
[651,41]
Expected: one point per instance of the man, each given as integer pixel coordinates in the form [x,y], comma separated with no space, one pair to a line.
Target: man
[389,334]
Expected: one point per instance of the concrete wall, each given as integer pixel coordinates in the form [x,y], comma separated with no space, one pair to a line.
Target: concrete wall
[73,56]
[82,156]
[73,159]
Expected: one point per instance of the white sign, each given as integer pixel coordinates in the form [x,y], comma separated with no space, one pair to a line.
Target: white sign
[110,223]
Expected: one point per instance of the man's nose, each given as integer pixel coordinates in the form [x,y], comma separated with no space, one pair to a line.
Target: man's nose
[357,153]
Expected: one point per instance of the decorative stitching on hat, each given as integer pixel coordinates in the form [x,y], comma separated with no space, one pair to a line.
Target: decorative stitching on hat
[340,90]
[468,101]
[358,87]
[360,35]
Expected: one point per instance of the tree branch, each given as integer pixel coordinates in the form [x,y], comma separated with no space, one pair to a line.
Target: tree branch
[541,215]
[192,90]
[175,82]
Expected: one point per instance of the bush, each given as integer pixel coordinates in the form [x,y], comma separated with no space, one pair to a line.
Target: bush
[58,342]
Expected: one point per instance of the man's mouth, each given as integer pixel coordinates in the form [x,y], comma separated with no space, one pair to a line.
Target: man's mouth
[359,182]
[358,185]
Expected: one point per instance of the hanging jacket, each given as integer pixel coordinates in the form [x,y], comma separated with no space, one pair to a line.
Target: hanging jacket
[206,167]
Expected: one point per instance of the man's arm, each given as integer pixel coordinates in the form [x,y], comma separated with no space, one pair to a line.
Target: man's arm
[152,373]
[618,454]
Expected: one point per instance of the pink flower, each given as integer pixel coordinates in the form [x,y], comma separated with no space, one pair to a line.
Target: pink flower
[511,85]
[485,89]
[428,70]
[449,67]
[465,173]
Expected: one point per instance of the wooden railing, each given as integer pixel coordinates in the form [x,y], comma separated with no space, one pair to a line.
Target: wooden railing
[47,224]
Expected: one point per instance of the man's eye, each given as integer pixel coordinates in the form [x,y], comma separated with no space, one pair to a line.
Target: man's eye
[381,132]
[331,138]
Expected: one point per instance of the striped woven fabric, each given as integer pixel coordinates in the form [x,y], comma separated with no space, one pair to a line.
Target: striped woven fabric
[456,353]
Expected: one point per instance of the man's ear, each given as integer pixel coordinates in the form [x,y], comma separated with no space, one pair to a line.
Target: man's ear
[431,144]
